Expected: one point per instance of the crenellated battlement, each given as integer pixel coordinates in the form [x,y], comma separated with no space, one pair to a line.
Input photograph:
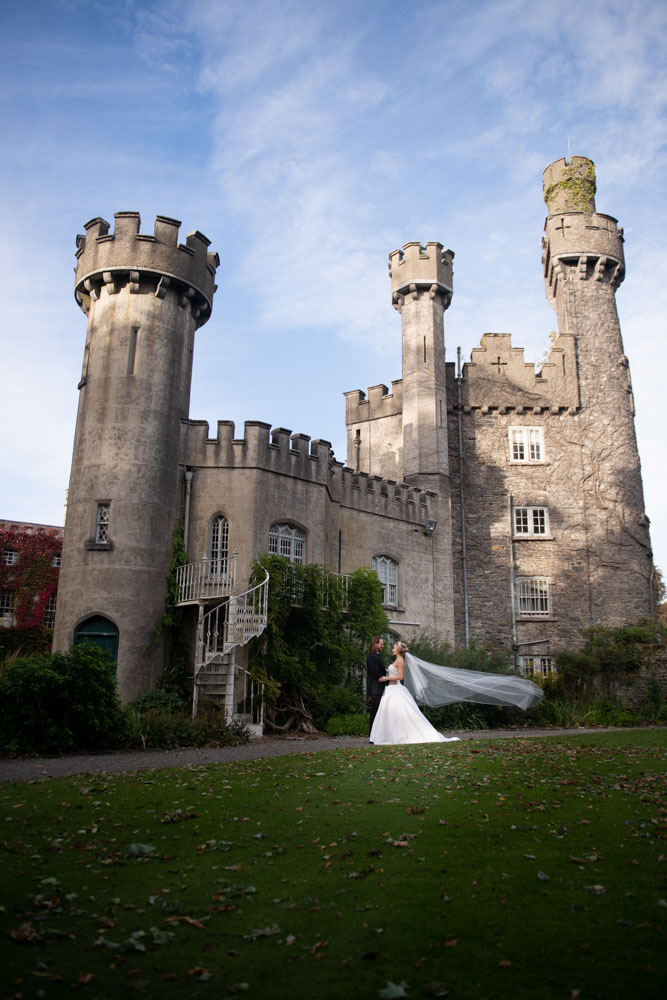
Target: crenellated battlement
[157,263]
[416,268]
[376,495]
[582,247]
[285,453]
[498,377]
[261,447]
[579,243]
[380,402]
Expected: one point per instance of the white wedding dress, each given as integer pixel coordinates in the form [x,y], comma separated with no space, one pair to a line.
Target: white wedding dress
[399,720]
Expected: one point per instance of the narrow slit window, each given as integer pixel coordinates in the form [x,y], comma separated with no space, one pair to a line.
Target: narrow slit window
[132,350]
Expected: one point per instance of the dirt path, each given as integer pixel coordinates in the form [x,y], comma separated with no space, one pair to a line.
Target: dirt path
[31,768]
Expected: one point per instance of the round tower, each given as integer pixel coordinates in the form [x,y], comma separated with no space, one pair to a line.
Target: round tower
[584,265]
[144,296]
[421,288]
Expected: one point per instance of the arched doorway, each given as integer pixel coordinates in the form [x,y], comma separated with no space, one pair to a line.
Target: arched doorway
[100,632]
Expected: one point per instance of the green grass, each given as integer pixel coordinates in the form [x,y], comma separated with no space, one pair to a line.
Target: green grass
[518,868]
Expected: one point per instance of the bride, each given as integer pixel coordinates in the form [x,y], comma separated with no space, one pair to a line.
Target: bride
[399,720]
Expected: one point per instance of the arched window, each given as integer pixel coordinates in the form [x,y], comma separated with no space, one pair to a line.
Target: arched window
[387,571]
[287,540]
[219,546]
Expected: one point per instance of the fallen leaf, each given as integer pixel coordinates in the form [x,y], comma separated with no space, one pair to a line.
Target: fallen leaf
[138,850]
[392,992]
[185,920]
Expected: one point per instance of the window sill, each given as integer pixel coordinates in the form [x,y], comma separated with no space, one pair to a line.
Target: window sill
[99,546]
[532,538]
[535,618]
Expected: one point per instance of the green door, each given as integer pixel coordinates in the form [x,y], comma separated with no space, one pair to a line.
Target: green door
[100,632]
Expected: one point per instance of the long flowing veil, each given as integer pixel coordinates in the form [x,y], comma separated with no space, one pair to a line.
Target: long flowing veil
[433,686]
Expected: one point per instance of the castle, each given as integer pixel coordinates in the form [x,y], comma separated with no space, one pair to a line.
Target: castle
[493,501]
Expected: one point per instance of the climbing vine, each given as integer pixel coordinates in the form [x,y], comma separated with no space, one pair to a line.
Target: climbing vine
[175,676]
[578,186]
[313,650]
[32,578]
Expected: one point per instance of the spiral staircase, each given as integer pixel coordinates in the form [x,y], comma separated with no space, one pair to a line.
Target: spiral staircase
[226,621]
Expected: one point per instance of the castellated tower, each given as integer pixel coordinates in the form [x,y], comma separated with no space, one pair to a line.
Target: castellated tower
[421,286]
[144,295]
[402,435]
[583,266]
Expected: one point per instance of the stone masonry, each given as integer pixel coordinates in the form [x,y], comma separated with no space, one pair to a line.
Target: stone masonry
[508,501]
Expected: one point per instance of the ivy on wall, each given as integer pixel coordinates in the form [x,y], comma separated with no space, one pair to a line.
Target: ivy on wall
[32,579]
[175,677]
[313,651]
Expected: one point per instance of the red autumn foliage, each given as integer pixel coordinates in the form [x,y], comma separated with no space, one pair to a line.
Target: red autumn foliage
[33,578]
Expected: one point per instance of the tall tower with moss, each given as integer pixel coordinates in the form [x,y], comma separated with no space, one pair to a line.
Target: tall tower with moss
[583,267]
[144,296]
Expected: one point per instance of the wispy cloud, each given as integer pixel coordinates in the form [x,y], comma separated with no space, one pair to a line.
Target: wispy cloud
[308,140]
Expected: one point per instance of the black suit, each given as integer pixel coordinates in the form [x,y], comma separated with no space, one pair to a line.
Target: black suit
[375,668]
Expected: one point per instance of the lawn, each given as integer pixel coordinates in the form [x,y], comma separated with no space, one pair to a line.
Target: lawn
[515,868]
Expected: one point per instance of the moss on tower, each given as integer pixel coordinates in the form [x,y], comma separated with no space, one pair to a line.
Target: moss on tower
[569,186]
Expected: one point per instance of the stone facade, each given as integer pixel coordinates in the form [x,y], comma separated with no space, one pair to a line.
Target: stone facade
[508,501]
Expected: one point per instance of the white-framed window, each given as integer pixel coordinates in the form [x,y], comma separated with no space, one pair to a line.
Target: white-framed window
[219,546]
[387,571]
[7,609]
[289,541]
[49,616]
[531,522]
[537,666]
[526,444]
[57,559]
[10,557]
[533,597]
[102,523]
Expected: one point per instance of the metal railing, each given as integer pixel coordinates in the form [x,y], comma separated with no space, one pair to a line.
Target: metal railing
[206,579]
[249,700]
[231,623]
[295,584]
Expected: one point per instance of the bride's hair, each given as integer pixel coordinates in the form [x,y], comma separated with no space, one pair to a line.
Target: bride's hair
[401,647]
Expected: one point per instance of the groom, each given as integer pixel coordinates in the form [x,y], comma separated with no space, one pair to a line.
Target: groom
[375,669]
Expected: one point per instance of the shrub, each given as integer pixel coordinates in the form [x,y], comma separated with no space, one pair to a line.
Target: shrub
[154,729]
[28,640]
[460,715]
[60,702]
[161,701]
[348,725]
[608,657]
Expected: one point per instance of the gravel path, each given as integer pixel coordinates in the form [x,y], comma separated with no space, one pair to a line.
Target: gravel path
[30,768]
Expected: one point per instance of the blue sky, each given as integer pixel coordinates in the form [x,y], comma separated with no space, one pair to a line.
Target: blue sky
[307,140]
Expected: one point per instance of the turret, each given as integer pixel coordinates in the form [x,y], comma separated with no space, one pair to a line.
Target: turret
[583,267]
[421,286]
[579,243]
[144,296]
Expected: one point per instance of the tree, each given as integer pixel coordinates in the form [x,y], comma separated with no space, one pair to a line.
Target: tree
[310,655]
